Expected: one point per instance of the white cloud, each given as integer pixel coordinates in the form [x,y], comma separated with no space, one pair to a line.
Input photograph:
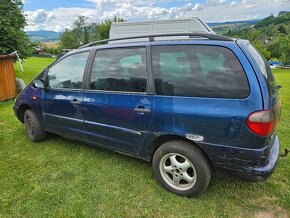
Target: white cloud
[40,16]
[138,10]
[56,20]
[215,2]
[232,4]
[198,7]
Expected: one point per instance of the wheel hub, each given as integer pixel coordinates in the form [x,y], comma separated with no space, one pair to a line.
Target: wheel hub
[177,171]
[30,125]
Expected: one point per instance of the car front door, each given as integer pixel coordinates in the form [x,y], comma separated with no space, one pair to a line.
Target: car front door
[117,108]
[61,100]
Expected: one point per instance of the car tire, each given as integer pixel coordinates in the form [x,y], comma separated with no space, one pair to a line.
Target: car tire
[182,168]
[33,127]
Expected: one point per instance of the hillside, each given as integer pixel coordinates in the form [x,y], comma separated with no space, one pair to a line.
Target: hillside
[222,28]
[270,36]
[43,36]
[284,18]
[219,28]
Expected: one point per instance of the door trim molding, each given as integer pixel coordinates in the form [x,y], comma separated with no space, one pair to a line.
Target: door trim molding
[112,127]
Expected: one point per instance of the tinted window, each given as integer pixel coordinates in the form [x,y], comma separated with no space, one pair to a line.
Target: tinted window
[264,68]
[120,70]
[68,73]
[201,71]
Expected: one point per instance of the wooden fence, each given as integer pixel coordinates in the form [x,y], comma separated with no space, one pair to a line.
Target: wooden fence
[7,78]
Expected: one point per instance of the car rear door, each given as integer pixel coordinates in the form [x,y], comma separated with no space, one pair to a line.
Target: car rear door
[117,107]
[61,100]
[269,91]
[204,93]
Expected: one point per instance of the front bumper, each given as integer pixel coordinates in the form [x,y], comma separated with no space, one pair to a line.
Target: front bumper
[15,109]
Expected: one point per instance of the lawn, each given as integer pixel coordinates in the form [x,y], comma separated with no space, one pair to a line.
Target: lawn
[60,177]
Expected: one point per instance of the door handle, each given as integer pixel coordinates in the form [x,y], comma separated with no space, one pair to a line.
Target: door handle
[142,110]
[75,101]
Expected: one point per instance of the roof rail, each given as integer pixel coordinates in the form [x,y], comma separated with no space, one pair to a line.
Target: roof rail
[152,38]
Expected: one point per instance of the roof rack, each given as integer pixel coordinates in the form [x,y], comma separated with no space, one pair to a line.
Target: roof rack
[152,38]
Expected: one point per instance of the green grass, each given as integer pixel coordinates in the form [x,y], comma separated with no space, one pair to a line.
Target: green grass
[60,177]
[32,67]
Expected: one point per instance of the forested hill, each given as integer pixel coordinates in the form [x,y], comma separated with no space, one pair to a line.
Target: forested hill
[282,19]
[43,36]
[270,36]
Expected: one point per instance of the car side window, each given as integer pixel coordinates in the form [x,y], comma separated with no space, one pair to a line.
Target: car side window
[170,64]
[120,69]
[68,73]
[198,71]
[210,63]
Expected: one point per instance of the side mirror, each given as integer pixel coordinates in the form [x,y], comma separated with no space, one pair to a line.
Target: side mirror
[38,84]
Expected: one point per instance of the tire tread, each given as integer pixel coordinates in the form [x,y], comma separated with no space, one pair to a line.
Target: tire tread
[40,133]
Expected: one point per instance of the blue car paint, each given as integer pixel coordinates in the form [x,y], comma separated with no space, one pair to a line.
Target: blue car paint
[60,115]
[25,98]
[109,120]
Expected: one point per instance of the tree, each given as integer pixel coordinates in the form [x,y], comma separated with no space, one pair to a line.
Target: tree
[81,33]
[261,47]
[12,23]
[55,51]
[83,29]
[281,13]
[269,31]
[280,48]
[270,36]
[69,39]
[104,27]
[229,33]
[282,29]
[104,30]
[255,34]
[84,32]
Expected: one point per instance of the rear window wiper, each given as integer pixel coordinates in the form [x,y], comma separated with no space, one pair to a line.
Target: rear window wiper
[275,90]
[277,87]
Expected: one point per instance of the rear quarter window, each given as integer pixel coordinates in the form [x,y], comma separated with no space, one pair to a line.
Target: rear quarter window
[198,71]
[264,68]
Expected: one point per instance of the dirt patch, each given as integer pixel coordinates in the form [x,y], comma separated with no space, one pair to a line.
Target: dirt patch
[267,214]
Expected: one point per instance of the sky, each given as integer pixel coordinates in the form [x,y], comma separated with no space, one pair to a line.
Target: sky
[57,15]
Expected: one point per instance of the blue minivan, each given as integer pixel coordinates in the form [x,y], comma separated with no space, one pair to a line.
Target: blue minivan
[191,106]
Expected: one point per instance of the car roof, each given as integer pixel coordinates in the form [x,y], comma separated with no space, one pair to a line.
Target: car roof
[156,37]
[196,38]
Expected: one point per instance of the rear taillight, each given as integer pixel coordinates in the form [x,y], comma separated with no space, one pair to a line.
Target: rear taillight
[264,122]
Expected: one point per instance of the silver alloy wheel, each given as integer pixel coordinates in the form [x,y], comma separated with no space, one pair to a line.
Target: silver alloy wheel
[177,171]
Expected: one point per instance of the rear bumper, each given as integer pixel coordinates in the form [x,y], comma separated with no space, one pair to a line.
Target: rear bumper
[264,172]
[249,167]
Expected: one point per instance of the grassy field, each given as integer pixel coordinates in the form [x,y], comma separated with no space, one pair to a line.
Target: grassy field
[60,177]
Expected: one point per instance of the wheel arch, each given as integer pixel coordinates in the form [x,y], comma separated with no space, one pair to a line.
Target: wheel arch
[21,111]
[158,141]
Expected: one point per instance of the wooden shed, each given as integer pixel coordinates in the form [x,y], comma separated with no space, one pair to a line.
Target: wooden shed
[7,77]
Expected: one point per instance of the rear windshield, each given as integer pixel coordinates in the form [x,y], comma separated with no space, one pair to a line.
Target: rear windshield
[264,68]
